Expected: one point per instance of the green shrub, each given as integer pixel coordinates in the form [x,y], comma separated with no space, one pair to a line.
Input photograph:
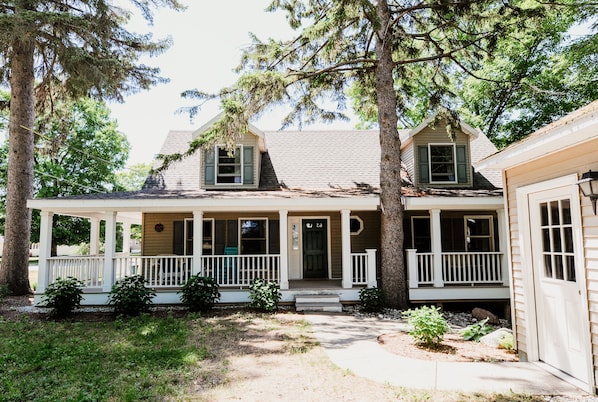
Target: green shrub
[507,342]
[475,331]
[428,326]
[130,296]
[200,293]
[63,296]
[371,299]
[264,295]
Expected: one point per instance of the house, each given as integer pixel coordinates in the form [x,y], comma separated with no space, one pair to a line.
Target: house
[299,208]
[553,244]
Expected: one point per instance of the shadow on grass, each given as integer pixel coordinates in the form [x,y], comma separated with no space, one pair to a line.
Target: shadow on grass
[145,357]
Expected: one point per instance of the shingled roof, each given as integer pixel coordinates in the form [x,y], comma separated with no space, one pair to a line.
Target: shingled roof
[306,161]
[300,164]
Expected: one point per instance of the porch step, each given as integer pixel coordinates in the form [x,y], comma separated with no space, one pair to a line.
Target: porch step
[328,303]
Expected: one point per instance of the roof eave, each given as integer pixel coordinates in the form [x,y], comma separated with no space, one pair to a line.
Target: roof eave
[566,132]
[76,206]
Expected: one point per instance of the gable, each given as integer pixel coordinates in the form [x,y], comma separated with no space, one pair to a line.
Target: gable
[237,168]
[457,169]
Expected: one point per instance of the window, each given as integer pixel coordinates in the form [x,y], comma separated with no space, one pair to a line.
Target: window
[479,233]
[421,239]
[557,240]
[442,163]
[228,166]
[208,235]
[253,236]
[356,225]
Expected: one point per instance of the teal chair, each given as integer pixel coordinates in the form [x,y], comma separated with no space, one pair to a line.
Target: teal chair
[229,270]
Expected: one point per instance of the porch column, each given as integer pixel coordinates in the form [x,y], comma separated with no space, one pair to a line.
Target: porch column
[126,238]
[347,281]
[412,268]
[502,245]
[94,237]
[436,247]
[109,251]
[197,242]
[371,256]
[284,249]
[45,248]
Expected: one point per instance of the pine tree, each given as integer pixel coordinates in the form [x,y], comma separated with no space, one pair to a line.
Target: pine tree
[64,49]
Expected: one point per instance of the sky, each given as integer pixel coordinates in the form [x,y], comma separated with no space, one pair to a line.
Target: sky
[208,38]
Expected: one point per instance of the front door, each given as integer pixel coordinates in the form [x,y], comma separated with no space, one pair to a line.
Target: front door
[315,248]
[559,304]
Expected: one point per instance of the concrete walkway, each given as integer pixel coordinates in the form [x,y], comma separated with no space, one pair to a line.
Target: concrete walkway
[351,343]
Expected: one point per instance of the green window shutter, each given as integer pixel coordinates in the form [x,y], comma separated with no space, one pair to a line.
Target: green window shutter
[247,165]
[423,164]
[178,247]
[210,166]
[461,164]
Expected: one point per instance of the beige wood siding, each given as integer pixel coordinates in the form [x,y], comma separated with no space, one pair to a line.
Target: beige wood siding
[246,140]
[370,236]
[408,158]
[439,135]
[156,243]
[575,160]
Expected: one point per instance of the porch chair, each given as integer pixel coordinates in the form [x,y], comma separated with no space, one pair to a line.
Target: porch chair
[229,268]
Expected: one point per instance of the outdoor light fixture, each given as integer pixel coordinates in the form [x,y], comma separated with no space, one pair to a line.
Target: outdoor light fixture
[589,187]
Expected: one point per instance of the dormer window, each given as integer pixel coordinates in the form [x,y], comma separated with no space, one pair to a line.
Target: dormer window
[228,166]
[442,163]
[445,163]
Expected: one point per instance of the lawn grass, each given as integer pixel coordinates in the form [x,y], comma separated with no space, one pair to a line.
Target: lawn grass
[232,355]
[125,360]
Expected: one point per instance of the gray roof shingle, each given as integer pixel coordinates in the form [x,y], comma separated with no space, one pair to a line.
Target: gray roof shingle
[326,159]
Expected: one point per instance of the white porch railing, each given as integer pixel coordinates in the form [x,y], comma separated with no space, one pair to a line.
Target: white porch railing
[173,271]
[363,268]
[455,269]
[88,270]
[241,270]
[158,271]
[471,268]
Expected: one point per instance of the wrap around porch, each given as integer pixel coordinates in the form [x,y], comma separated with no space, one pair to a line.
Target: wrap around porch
[233,268]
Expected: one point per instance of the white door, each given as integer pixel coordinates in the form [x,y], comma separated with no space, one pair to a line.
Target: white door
[558,297]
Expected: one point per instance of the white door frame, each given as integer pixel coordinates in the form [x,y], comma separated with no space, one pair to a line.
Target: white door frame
[569,186]
[299,252]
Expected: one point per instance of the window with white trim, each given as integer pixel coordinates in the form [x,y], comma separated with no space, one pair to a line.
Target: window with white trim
[253,237]
[229,165]
[207,242]
[355,225]
[479,233]
[443,165]
[557,240]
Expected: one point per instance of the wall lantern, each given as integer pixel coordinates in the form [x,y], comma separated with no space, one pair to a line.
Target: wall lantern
[588,185]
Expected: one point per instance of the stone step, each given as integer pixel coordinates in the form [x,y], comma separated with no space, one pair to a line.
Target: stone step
[325,307]
[317,298]
[318,302]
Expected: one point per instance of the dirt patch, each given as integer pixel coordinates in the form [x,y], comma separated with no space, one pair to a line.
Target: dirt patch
[452,349]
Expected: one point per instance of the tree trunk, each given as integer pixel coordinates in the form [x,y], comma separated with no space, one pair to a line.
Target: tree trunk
[14,271]
[394,279]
